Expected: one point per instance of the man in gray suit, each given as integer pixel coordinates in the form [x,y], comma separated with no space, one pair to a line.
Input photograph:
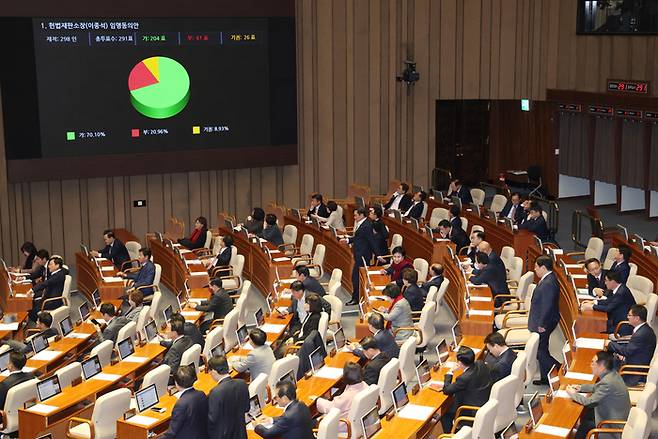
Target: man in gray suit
[112,323]
[136,302]
[609,396]
[180,343]
[259,360]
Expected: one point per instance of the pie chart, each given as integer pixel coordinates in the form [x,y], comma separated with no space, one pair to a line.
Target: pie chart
[159,87]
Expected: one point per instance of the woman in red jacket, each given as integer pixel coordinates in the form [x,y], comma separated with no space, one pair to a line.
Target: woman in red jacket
[398,264]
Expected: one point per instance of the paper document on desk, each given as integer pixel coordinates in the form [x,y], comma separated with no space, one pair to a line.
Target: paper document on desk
[46,355]
[106,377]
[579,376]
[9,326]
[579,276]
[479,312]
[42,408]
[184,250]
[190,313]
[272,328]
[110,268]
[374,272]
[196,300]
[574,266]
[199,273]
[136,359]
[193,262]
[282,259]
[553,431]
[480,299]
[289,280]
[80,335]
[101,259]
[590,343]
[561,394]
[416,412]
[332,373]
[273,252]
[379,287]
[470,285]
[142,420]
[112,279]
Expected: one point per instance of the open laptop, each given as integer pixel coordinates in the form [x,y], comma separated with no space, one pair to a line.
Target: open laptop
[217,350]
[242,334]
[456,334]
[66,326]
[91,367]
[535,409]
[259,316]
[146,398]
[400,397]
[84,311]
[442,352]
[150,330]
[339,338]
[96,297]
[371,423]
[39,343]
[254,410]
[510,432]
[290,376]
[316,358]
[423,374]
[167,313]
[48,388]
[580,292]
[126,348]
[4,360]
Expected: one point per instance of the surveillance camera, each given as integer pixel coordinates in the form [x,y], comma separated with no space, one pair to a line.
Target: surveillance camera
[409,75]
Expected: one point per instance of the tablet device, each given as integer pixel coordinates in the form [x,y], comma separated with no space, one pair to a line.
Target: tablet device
[217,350]
[242,334]
[84,311]
[126,348]
[290,376]
[48,388]
[535,409]
[167,313]
[150,330]
[39,343]
[254,409]
[4,360]
[66,326]
[442,351]
[316,358]
[339,339]
[146,398]
[259,316]
[400,398]
[91,367]
[456,333]
[371,423]
[423,373]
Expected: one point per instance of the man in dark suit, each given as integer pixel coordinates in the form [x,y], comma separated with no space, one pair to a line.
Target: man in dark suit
[363,247]
[16,376]
[318,207]
[500,358]
[379,229]
[457,236]
[619,300]
[296,421]
[297,308]
[190,413]
[114,250]
[38,269]
[416,209]
[595,277]
[180,343]
[223,258]
[383,337]
[436,279]
[44,323]
[271,232]
[454,218]
[400,200]
[309,282]
[621,263]
[472,387]
[145,275]
[50,288]
[477,237]
[544,313]
[513,209]
[536,224]
[456,189]
[411,291]
[490,275]
[228,402]
[113,323]
[189,329]
[376,360]
[219,305]
[639,350]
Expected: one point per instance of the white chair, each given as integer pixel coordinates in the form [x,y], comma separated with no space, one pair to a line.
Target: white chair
[143,318]
[515,270]
[281,367]
[332,291]
[518,371]
[230,328]
[233,281]
[407,364]
[213,338]
[104,352]
[483,421]
[652,304]
[103,423]
[158,376]
[507,253]
[289,234]
[396,241]
[478,196]
[594,250]
[636,427]
[336,308]
[465,432]
[362,403]
[17,396]
[432,294]
[58,315]
[532,365]
[335,279]
[438,214]
[323,325]
[652,377]
[425,325]
[133,249]
[517,317]
[208,241]
[258,386]
[155,304]
[423,214]
[464,223]
[156,282]
[388,379]
[241,305]
[315,265]
[69,373]
[129,330]
[633,269]
[498,203]
[442,292]
[647,400]
[610,258]
[305,249]
[641,287]
[328,426]
[476,228]
[234,255]
[504,391]
[422,267]
[191,356]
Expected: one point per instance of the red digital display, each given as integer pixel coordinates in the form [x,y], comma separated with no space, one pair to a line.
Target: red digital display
[635,87]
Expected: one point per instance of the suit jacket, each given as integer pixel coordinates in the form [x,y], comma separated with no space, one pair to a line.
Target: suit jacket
[313,285]
[435,281]
[471,387]
[197,243]
[491,276]
[472,253]
[617,306]
[173,356]
[501,367]
[373,368]
[295,423]
[639,350]
[111,331]
[415,297]
[133,314]
[254,227]
[381,237]
[399,317]
[224,257]
[464,195]
[36,272]
[191,330]
[386,343]
[309,324]
[593,282]
[145,276]
[117,253]
[545,305]
[273,235]
[363,243]
[537,226]
[9,382]
[189,416]
[405,203]
[292,309]
[219,305]
[609,398]
[310,344]
[29,260]
[319,210]
[53,286]
[459,238]
[395,270]
[258,360]
[228,402]
[415,211]
[518,213]
[495,261]
[624,269]
[456,223]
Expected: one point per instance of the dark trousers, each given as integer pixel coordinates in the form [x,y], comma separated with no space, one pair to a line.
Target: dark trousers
[546,361]
[587,423]
[358,263]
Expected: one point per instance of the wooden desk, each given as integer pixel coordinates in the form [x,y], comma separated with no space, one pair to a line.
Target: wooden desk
[90,278]
[647,264]
[174,271]
[12,295]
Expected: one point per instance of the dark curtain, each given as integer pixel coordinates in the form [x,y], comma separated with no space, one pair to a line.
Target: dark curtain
[604,150]
[653,175]
[632,154]
[574,156]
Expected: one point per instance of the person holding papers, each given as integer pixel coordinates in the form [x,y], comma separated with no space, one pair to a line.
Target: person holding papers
[190,413]
[114,250]
[144,276]
[223,258]
[16,376]
[296,421]
[228,403]
[335,218]
[353,380]
[609,399]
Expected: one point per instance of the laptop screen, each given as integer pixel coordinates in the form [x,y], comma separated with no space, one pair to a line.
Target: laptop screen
[290,376]
[39,343]
[146,398]
[567,355]
[150,330]
[316,359]
[259,316]
[84,310]
[400,398]
[66,326]
[535,409]
[339,339]
[456,334]
[4,360]
[442,351]
[371,423]
[91,367]
[126,348]
[167,313]
[254,409]
[48,388]
[85,250]
[510,432]
[96,297]
[423,373]
[242,334]
[218,350]
[554,378]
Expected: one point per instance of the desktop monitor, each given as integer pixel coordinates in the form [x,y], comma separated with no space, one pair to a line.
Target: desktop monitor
[339,339]
[456,333]
[535,409]
[48,388]
[259,316]
[150,330]
[39,343]
[66,326]
[296,214]
[442,351]
[91,367]
[126,348]
[217,350]
[242,334]
[290,376]
[423,373]
[371,423]
[84,311]
[4,360]
[254,410]
[400,397]
[167,313]
[146,398]
[316,358]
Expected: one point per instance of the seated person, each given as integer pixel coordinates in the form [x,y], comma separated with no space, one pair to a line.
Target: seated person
[455,219]
[500,358]
[29,252]
[255,221]
[415,211]
[44,323]
[313,308]
[259,360]
[295,422]
[335,218]
[16,376]
[376,360]
[114,250]
[536,222]
[309,282]
[299,295]
[218,306]
[457,236]
[113,323]
[619,301]
[639,350]
[400,200]
[198,237]
[51,287]
[384,338]
[380,231]
[411,291]
[456,189]
[399,263]
[494,259]
[179,344]
[495,279]
[271,232]
[38,270]
[621,262]
[398,315]
[513,209]
[189,417]
[144,277]
[136,302]
[223,258]
[435,280]
[353,380]
[317,207]
[595,277]
[476,238]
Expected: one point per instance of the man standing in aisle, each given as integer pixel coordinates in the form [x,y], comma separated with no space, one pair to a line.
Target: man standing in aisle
[363,247]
